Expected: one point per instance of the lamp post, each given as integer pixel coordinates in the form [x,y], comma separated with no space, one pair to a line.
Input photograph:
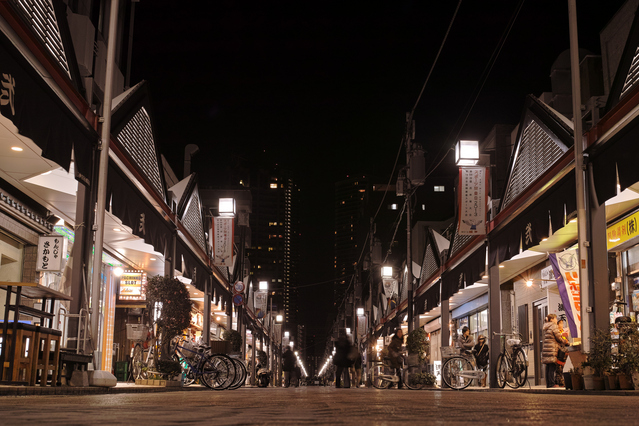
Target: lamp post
[279,319]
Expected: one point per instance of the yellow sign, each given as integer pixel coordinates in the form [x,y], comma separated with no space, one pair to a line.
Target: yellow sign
[623,231]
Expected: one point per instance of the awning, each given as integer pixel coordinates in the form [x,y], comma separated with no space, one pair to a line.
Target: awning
[192,268]
[132,208]
[531,226]
[429,299]
[465,274]
[40,115]
[617,157]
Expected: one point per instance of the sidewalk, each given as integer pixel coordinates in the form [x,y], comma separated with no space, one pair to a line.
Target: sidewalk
[133,388]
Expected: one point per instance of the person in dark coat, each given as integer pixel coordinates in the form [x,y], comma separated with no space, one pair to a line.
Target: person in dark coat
[356,368]
[395,354]
[288,365]
[342,362]
[482,356]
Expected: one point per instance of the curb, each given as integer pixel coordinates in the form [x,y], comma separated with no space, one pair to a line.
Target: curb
[92,390]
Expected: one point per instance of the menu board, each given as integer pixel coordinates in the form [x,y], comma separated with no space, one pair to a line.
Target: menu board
[132,285]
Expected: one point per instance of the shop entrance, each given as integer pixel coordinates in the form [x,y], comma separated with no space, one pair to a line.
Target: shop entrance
[540,311]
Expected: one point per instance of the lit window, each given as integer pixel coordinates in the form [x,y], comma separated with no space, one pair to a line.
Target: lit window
[393,207]
[273,186]
[439,188]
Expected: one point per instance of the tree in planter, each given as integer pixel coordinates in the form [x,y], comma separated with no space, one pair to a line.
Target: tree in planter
[600,357]
[417,344]
[235,338]
[628,357]
[170,305]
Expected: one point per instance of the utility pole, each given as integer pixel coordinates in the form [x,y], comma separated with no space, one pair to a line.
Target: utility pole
[415,177]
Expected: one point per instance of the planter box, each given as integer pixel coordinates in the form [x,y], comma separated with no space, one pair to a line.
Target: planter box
[577,383]
[141,382]
[625,382]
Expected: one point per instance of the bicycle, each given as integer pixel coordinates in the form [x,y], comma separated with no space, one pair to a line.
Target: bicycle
[217,371]
[383,375]
[459,371]
[512,365]
[141,358]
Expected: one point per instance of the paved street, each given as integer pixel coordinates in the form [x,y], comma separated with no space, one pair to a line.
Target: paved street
[319,405]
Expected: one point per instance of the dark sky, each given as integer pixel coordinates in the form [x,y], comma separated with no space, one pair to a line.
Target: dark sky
[323,87]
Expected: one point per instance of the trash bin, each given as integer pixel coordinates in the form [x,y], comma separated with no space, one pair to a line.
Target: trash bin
[121,370]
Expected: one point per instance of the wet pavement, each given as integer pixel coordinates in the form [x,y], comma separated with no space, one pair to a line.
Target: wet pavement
[129,404]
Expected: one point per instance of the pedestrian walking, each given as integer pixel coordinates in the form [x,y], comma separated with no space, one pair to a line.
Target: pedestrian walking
[482,352]
[297,375]
[356,368]
[341,362]
[553,341]
[288,365]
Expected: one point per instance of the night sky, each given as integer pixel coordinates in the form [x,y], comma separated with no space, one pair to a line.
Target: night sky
[322,87]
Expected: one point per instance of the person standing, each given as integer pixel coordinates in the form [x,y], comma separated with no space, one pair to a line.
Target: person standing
[482,356]
[342,362]
[288,365]
[465,341]
[395,354]
[559,371]
[553,340]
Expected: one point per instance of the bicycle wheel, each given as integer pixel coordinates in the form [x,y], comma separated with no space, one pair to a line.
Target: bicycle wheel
[452,373]
[501,371]
[218,372]
[520,367]
[410,376]
[377,370]
[137,363]
[240,374]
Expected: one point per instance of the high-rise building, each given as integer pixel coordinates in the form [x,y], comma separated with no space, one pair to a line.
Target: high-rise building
[274,252]
[350,200]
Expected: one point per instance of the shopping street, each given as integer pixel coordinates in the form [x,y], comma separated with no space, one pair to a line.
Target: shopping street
[320,405]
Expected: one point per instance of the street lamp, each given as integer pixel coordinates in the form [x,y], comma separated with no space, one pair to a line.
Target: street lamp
[263,285]
[387,271]
[360,311]
[466,153]
[226,207]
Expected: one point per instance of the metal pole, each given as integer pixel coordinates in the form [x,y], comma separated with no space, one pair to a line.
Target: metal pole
[96,280]
[582,226]
[409,260]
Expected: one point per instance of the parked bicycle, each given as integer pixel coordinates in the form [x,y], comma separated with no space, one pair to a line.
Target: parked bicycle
[383,375]
[459,371]
[512,363]
[216,371]
[142,351]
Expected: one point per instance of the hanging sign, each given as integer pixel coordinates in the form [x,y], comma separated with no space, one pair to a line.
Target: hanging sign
[361,325]
[622,231]
[565,265]
[223,241]
[390,286]
[472,201]
[51,253]
[260,303]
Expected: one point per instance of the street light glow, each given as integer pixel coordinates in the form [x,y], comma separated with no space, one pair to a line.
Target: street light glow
[263,285]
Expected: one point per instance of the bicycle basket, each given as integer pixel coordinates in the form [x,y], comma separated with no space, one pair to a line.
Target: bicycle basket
[449,351]
[136,331]
[513,342]
[188,349]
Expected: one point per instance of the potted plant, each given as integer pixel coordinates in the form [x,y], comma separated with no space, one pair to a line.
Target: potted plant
[423,380]
[169,302]
[629,357]
[576,378]
[418,346]
[599,358]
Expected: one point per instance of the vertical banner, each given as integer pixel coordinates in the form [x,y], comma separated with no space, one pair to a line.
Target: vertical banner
[223,241]
[472,200]
[565,265]
[260,303]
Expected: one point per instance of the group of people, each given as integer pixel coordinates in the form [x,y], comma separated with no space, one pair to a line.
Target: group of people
[292,371]
[480,350]
[555,342]
[348,362]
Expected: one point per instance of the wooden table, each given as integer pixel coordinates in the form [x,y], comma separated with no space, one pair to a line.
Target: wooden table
[32,291]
